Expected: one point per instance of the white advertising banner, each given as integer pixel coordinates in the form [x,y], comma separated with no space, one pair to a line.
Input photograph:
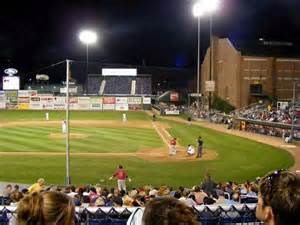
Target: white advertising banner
[122,107]
[71,90]
[172,112]
[47,99]
[59,106]
[73,106]
[95,106]
[48,106]
[95,100]
[32,93]
[134,100]
[60,100]
[2,105]
[35,105]
[23,93]
[11,82]
[83,106]
[108,106]
[121,100]
[146,100]
[83,100]
[119,72]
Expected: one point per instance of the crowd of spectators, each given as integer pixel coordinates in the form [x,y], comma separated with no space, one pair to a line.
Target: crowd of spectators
[259,113]
[208,192]
[277,196]
[268,113]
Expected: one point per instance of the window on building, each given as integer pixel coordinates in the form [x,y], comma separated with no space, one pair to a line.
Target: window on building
[255,88]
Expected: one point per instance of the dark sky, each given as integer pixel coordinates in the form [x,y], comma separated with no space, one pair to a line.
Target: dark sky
[160,32]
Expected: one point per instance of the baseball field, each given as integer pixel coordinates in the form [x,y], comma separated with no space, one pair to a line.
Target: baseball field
[31,147]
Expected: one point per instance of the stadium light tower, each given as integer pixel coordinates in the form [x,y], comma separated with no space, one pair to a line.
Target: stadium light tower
[87,37]
[198,12]
[210,6]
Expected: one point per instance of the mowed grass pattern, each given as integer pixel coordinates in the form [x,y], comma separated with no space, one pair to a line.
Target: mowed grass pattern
[238,158]
[95,139]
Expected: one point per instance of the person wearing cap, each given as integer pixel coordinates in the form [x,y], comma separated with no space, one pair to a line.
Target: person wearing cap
[37,187]
[121,176]
[200,147]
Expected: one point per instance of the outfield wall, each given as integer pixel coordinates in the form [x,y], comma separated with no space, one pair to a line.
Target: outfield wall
[31,100]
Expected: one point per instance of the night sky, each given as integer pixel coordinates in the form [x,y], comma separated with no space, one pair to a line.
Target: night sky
[154,32]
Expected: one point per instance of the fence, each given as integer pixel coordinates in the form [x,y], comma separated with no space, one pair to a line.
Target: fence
[206,214]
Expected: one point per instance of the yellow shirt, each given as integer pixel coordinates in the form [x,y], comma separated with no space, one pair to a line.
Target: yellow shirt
[35,188]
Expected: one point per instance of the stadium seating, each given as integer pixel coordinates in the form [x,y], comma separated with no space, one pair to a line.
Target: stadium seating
[114,85]
[207,215]
[143,85]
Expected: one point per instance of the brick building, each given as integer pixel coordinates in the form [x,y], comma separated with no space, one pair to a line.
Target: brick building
[246,74]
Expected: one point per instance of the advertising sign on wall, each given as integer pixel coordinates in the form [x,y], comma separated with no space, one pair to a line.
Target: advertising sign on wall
[23,106]
[83,100]
[135,106]
[60,100]
[108,106]
[73,100]
[95,100]
[35,105]
[122,107]
[174,97]
[172,112]
[96,106]
[2,105]
[2,100]
[121,100]
[11,83]
[134,100]
[23,93]
[146,100]
[24,99]
[109,100]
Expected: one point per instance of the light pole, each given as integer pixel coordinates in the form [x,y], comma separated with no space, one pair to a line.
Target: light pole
[210,6]
[87,37]
[198,12]
[200,8]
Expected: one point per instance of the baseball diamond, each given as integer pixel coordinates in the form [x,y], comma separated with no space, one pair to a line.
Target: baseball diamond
[32,147]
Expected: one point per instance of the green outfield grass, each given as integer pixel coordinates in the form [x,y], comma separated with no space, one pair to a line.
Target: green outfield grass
[238,158]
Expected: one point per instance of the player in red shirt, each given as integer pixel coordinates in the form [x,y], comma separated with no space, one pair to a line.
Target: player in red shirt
[121,176]
[172,147]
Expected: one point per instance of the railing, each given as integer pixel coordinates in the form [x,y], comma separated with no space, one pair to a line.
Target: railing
[206,214]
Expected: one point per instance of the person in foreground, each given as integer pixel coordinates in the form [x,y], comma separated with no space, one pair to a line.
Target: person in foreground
[46,208]
[168,211]
[279,199]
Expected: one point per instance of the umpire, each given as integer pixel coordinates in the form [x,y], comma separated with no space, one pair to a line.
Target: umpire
[200,147]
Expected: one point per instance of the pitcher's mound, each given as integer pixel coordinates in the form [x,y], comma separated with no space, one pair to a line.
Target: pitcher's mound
[72,135]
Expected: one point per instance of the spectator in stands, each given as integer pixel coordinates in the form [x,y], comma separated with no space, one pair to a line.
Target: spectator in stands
[7,191]
[37,187]
[208,185]
[45,209]
[121,176]
[168,211]
[16,195]
[279,199]
[199,195]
